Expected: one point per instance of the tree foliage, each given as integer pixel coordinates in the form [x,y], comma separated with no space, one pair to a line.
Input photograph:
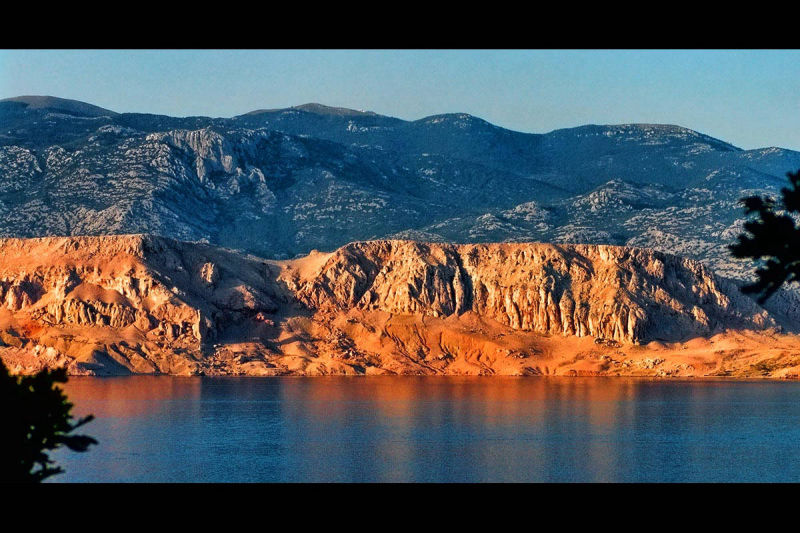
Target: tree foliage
[35,419]
[773,239]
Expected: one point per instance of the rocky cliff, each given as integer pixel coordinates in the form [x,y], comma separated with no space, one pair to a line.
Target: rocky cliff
[624,294]
[143,304]
[158,300]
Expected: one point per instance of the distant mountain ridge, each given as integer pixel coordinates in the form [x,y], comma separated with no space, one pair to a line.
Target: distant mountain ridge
[282,182]
[319,109]
[55,104]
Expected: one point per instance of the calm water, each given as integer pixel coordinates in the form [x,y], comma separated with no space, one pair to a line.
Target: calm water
[435,429]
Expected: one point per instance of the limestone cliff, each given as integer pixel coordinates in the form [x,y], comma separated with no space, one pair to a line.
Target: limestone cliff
[613,292]
[145,304]
[162,296]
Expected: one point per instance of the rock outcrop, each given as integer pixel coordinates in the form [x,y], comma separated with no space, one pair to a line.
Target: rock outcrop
[145,304]
[162,295]
[613,292]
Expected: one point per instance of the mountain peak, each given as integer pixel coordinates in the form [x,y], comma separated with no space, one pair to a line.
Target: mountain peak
[460,119]
[645,132]
[63,105]
[317,109]
[322,109]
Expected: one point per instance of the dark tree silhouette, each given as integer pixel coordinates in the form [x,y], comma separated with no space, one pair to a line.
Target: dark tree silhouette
[35,419]
[773,240]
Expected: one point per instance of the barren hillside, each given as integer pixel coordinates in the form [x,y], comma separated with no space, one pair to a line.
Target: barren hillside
[143,304]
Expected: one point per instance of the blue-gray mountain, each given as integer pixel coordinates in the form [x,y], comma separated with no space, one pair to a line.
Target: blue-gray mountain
[281,182]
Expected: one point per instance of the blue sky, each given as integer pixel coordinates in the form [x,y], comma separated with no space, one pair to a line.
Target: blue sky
[749,98]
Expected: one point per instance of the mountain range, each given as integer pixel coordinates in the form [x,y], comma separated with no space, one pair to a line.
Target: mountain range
[279,183]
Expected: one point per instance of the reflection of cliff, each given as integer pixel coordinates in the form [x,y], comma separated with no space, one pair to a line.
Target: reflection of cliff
[477,427]
[143,304]
[428,428]
[125,398]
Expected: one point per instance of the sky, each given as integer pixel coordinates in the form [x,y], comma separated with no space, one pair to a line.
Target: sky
[750,98]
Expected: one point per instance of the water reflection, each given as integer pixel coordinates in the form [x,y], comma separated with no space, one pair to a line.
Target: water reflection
[435,429]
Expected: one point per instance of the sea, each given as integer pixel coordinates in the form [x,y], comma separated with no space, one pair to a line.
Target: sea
[433,429]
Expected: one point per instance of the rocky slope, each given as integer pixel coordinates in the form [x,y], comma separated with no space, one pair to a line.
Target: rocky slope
[144,304]
[279,183]
[625,294]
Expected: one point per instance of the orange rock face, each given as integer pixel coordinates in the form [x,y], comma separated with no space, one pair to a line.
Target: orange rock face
[625,294]
[144,304]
